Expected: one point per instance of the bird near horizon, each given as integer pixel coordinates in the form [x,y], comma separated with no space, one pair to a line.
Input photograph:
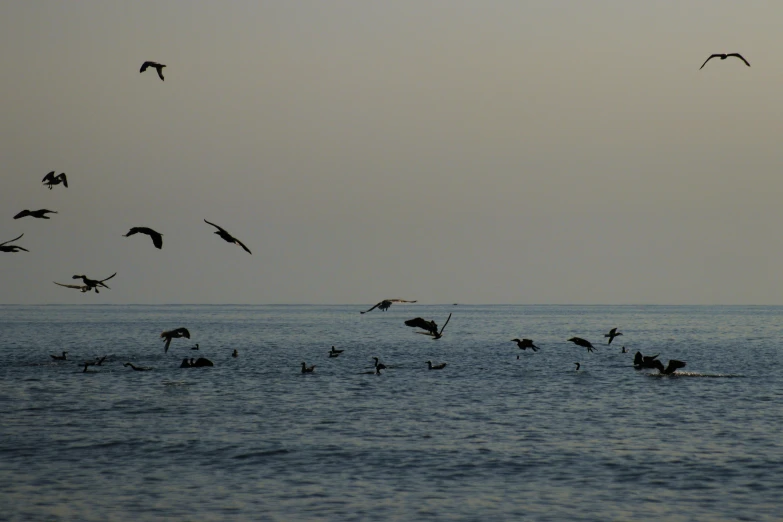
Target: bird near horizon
[584,343]
[386,304]
[40,214]
[177,333]
[228,237]
[157,237]
[158,67]
[5,247]
[612,334]
[524,344]
[50,179]
[93,284]
[723,56]
[82,288]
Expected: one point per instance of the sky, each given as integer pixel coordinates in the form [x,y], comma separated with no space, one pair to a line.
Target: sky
[522,152]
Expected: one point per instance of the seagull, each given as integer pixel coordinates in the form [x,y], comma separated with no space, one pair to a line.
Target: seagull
[137,368]
[644,361]
[612,334]
[158,66]
[723,57]
[82,288]
[524,344]
[174,334]
[332,355]
[673,365]
[92,283]
[157,237]
[63,357]
[582,342]
[385,304]
[431,327]
[5,247]
[228,237]
[307,369]
[436,367]
[40,214]
[50,180]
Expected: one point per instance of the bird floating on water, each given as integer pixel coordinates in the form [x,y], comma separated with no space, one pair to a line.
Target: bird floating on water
[379,365]
[524,344]
[40,214]
[307,369]
[612,334]
[157,237]
[93,284]
[723,56]
[228,237]
[436,366]
[158,67]
[386,304]
[63,357]
[177,333]
[194,347]
[430,327]
[235,353]
[333,350]
[584,343]
[50,180]
[5,247]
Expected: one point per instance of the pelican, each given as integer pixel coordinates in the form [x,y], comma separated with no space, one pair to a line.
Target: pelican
[386,304]
[582,342]
[167,336]
[157,237]
[524,344]
[644,361]
[82,288]
[158,67]
[430,327]
[723,57]
[336,351]
[673,365]
[307,369]
[379,365]
[612,334]
[40,214]
[63,357]
[137,368]
[5,247]
[50,180]
[93,283]
[436,367]
[228,237]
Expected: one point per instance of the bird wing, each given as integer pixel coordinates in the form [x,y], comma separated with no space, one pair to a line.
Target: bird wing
[144,66]
[11,240]
[134,230]
[417,322]
[23,214]
[183,331]
[64,178]
[48,177]
[160,72]
[374,307]
[738,55]
[707,60]
[674,364]
[399,301]
[444,325]
[102,280]
[612,332]
[238,242]
[157,239]
[77,287]
[217,227]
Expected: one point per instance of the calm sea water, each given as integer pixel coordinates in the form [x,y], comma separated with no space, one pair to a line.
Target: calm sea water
[490,437]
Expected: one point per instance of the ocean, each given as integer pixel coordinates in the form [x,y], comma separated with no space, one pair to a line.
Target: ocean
[498,434]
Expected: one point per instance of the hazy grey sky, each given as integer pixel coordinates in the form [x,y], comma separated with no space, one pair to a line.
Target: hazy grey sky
[445,151]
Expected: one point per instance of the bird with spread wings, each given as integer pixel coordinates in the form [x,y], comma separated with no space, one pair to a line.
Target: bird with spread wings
[386,304]
[430,327]
[93,284]
[723,56]
[228,237]
[5,247]
[157,237]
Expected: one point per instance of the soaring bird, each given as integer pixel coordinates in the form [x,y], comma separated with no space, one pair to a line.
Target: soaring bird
[582,342]
[82,288]
[158,67]
[435,367]
[430,327]
[50,180]
[307,369]
[524,344]
[723,57]
[157,237]
[63,357]
[228,237]
[673,365]
[612,334]
[174,334]
[385,304]
[93,284]
[5,247]
[40,214]
[644,361]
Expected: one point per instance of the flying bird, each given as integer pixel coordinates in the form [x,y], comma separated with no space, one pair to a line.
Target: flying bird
[673,366]
[430,327]
[524,344]
[644,361]
[723,57]
[228,237]
[40,214]
[385,304]
[174,334]
[50,180]
[157,237]
[158,67]
[5,247]
[82,288]
[584,343]
[93,284]
[612,334]
[435,367]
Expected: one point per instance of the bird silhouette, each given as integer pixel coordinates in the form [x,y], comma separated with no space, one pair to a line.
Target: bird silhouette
[158,66]
[228,237]
[429,327]
[612,334]
[723,56]
[40,214]
[644,361]
[307,369]
[385,304]
[436,366]
[177,333]
[5,247]
[584,343]
[673,366]
[63,357]
[524,344]
[93,284]
[82,288]
[50,180]
[157,237]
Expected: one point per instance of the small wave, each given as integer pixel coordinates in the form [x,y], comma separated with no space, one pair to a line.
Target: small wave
[269,453]
[696,374]
[175,383]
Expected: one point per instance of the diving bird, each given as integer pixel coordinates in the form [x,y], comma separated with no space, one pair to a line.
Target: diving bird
[584,343]
[524,344]
[137,368]
[612,334]
[644,361]
[40,214]
[307,369]
[5,247]
[385,304]
[673,366]
[430,327]
[50,180]
[435,367]
[158,67]
[177,333]
[82,288]
[723,57]
[63,357]
[93,284]
[157,237]
[228,237]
